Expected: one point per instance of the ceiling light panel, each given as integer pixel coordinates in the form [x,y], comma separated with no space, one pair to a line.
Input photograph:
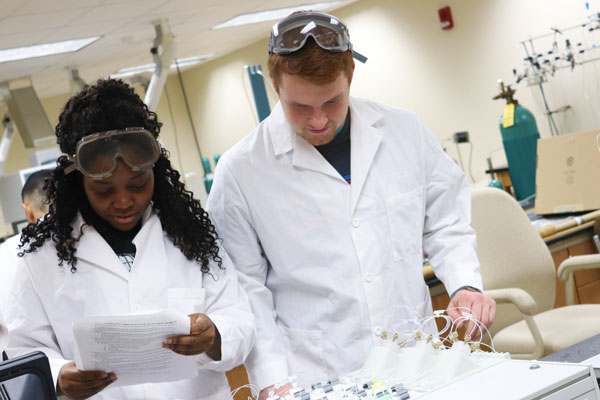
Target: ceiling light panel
[46,49]
[271,15]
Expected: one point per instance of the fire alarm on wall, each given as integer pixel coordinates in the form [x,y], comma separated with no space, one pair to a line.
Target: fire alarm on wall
[446,18]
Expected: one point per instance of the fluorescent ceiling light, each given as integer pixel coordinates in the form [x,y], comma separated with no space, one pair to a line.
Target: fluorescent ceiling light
[271,15]
[46,49]
[182,62]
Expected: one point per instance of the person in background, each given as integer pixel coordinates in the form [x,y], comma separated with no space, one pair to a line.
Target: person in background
[123,236]
[326,208]
[35,205]
[35,202]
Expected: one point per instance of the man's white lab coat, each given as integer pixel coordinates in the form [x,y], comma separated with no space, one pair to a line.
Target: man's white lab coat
[47,300]
[326,264]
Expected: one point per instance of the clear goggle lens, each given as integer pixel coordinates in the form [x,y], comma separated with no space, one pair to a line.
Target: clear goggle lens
[329,37]
[96,156]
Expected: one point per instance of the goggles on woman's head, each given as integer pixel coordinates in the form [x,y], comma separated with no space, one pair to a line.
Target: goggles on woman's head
[96,155]
[328,32]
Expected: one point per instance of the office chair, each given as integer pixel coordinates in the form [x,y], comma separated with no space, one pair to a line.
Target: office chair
[518,272]
[27,378]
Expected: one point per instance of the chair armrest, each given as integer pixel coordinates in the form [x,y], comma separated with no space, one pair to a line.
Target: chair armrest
[527,306]
[517,296]
[572,264]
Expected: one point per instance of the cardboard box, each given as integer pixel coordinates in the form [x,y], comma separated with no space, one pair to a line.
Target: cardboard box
[568,173]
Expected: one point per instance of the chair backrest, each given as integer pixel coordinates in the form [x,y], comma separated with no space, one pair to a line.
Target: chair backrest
[511,252]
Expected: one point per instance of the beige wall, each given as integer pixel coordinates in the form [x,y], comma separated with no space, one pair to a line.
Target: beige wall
[447,77]
[221,111]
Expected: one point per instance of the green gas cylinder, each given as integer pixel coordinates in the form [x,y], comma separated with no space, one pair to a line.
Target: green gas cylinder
[519,137]
[520,146]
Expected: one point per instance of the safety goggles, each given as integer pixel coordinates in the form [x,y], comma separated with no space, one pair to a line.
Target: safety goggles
[96,155]
[328,32]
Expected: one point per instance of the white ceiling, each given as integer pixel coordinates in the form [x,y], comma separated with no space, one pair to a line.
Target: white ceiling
[127,34]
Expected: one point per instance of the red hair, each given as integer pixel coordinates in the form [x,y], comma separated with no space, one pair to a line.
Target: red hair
[312,63]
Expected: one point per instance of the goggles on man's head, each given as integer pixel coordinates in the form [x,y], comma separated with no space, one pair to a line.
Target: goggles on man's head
[96,155]
[328,32]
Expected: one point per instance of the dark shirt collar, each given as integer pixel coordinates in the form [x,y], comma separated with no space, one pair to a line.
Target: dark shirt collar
[120,241]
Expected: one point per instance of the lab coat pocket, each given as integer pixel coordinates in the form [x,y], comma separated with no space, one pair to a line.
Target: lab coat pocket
[186,300]
[405,218]
[305,354]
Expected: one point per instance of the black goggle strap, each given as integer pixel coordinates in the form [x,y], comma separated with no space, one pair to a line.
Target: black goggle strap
[359,57]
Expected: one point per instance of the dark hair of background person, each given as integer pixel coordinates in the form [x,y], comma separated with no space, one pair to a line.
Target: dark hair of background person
[34,188]
[110,105]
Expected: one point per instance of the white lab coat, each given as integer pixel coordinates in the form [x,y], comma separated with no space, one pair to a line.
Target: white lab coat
[48,299]
[325,264]
[8,261]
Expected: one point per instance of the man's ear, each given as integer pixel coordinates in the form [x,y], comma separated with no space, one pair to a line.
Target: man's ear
[29,213]
[275,87]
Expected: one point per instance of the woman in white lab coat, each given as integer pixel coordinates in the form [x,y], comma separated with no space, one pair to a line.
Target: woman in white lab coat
[123,236]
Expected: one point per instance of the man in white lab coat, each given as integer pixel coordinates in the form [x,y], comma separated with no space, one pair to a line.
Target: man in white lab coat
[326,208]
[35,205]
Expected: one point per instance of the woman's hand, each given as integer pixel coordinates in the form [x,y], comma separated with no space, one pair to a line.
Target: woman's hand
[204,337]
[79,385]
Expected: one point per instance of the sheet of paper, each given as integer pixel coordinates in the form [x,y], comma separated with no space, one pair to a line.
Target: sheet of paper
[131,347]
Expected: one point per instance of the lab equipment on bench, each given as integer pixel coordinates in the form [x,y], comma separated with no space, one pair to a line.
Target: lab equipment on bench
[414,365]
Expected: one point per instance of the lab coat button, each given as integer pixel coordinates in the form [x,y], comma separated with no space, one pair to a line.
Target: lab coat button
[368,277]
[355,223]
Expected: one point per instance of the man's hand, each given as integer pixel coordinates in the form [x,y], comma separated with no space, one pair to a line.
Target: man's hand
[204,337]
[483,309]
[79,385]
[280,391]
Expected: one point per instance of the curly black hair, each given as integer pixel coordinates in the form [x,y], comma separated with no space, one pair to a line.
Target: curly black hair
[111,104]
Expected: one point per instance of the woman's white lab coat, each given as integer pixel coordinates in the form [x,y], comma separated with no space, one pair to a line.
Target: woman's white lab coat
[48,299]
[327,265]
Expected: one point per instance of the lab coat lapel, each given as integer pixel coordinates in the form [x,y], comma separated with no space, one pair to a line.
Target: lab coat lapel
[93,249]
[151,256]
[365,140]
[306,156]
